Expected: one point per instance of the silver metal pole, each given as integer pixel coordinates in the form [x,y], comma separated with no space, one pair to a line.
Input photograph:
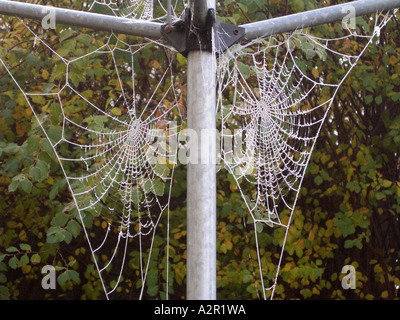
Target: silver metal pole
[201,183]
[315,17]
[200,8]
[83,19]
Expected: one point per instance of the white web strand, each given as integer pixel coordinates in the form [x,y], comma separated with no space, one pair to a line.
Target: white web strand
[268,101]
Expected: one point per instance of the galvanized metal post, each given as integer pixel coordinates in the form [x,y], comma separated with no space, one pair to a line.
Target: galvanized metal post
[201,182]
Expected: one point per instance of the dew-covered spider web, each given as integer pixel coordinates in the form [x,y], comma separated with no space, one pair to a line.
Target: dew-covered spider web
[135,9]
[117,144]
[273,97]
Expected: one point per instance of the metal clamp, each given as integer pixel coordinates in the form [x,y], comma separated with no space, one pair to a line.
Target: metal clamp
[185,37]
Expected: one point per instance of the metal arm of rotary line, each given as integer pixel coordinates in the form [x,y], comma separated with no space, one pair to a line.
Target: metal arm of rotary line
[83,19]
[315,17]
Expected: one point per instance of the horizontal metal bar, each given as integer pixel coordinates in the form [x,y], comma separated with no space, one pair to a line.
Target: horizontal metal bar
[83,19]
[315,17]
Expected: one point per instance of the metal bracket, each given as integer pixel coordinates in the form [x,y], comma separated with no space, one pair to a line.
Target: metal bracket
[184,37]
[226,35]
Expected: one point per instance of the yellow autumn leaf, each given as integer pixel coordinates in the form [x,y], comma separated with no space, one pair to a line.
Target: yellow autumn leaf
[386,183]
[155,64]
[315,72]
[116,111]
[45,74]
[393,60]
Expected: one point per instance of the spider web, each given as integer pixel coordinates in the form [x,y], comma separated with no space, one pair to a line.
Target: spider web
[272,102]
[112,143]
[136,9]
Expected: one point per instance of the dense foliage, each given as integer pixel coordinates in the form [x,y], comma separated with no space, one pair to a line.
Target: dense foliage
[348,212]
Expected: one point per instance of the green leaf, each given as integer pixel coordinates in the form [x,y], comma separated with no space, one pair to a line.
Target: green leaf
[345,224]
[4,293]
[244,69]
[53,192]
[25,185]
[25,247]
[13,262]
[387,183]
[67,236]
[84,38]
[181,59]
[35,258]
[54,235]
[162,170]
[68,275]
[55,134]
[35,173]
[43,167]
[152,290]
[242,6]
[33,144]
[74,228]
[24,260]
[156,187]
[30,59]
[12,165]
[380,196]
[12,249]
[73,275]
[38,99]
[159,188]
[137,196]
[246,276]
[358,244]
[297,5]
[66,33]
[13,185]
[318,180]
[62,278]
[348,243]
[48,87]
[3,266]
[116,111]
[9,148]
[368,99]
[59,220]
[55,113]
